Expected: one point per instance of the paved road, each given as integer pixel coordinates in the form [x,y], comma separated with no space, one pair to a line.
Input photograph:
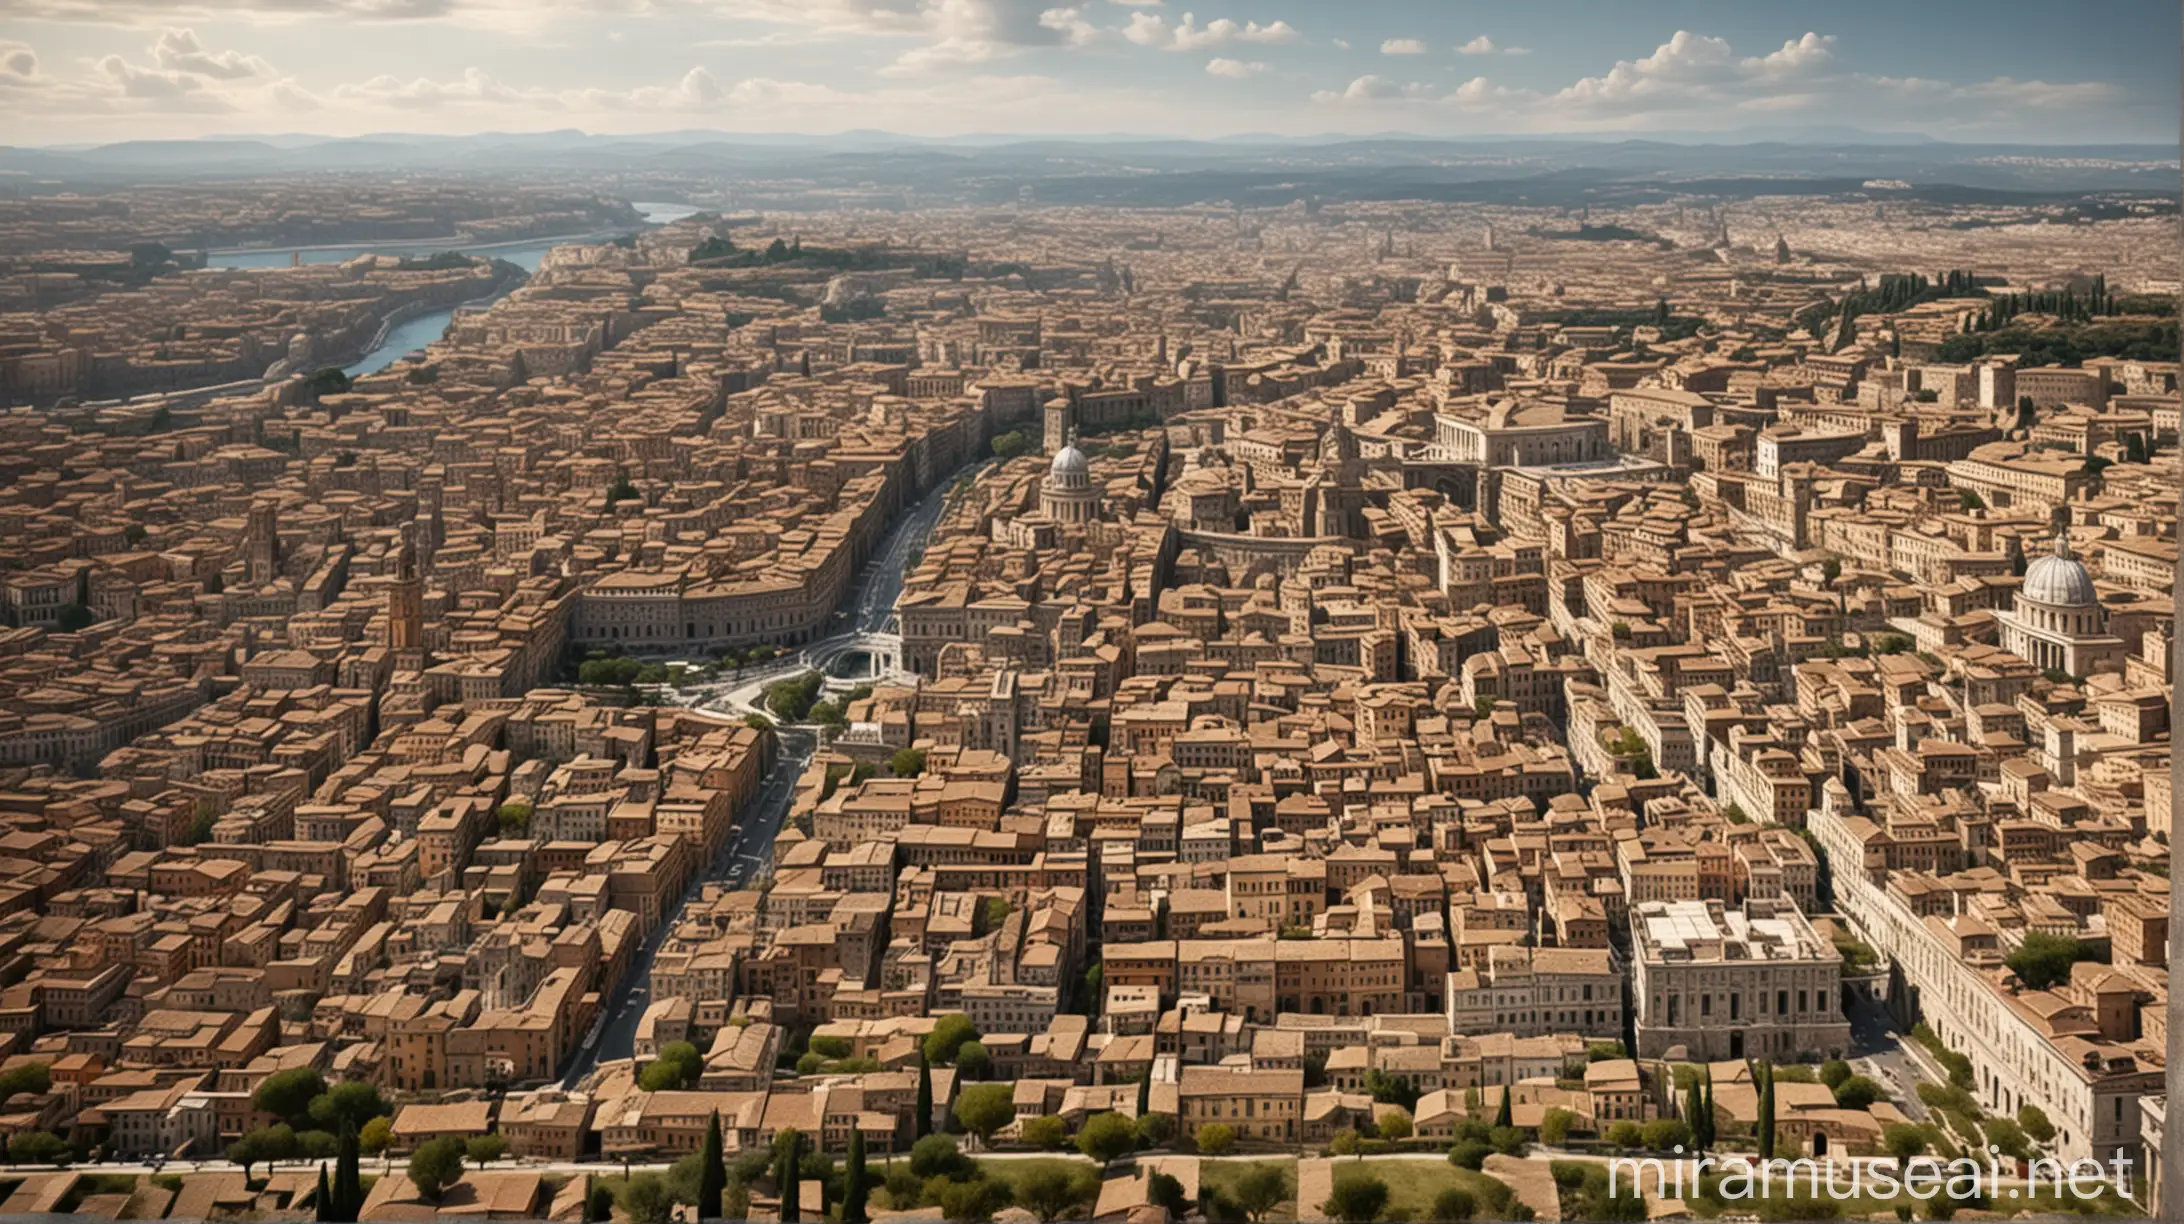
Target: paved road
[869,606]
[1882,1054]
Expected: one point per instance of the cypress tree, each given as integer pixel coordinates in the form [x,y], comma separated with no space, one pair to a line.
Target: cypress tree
[1706,1114]
[1503,1115]
[713,1178]
[1766,1112]
[1691,1106]
[348,1172]
[854,1189]
[925,1095]
[792,1194]
[322,1203]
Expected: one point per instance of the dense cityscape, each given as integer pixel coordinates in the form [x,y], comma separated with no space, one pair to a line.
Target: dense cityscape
[1344,711]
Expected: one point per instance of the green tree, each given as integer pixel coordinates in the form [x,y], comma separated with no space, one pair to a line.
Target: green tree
[1106,1137]
[1216,1138]
[1165,1191]
[1357,1200]
[2043,960]
[1009,445]
[1467,1153]
[938,1156]
[713,1178]
[436,1165]
[984,1109]
[1261,1189]
[1154,1129]
[34,1078]
[1052,1193]
[348,1176]
[515,818]
[646,1200]
[375,1135]
[972,1060]
[678,1066]
[856,1186]
[45,1147]
[1045,1132]
[327,380]
[1554,1126]
[1395,1127]
[74,618]
[789,1179]
[1766,1123]
[1503,1115]
[1665,1133]
[354,1102]
[1507,1140]
[1454,1204]
[1903,1141]
[924,1120]
[1858,1092]
[1703,1127]
[906,763]
[2035,1121]
[949,1034]
[1625,1134]
[975,1201]
[322,1200]
[288,1094]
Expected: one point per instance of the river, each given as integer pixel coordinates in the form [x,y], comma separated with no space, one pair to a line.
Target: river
[413,334]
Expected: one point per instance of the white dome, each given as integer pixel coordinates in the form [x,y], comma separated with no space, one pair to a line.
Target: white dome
[2060,580]
[1069,461]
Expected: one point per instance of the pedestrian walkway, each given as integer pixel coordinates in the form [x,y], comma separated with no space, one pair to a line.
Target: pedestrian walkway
[1532,1181]
[1315,1185]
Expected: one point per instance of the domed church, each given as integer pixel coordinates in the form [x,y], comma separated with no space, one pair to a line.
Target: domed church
[1067,495]
[2058,621]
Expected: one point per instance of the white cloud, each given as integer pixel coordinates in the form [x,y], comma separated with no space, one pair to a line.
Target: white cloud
[1371,88]
[136,12]
[1153,30]
[474,86]
[293,97]
[1403,46]
[1697,79]
[179,51]
[1342,43]
[153,84]
[1225,67]
[1482,45]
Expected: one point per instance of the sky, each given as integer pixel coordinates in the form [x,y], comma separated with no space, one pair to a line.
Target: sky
[2071,72]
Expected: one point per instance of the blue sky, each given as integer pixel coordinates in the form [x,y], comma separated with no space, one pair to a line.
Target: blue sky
[2087,71]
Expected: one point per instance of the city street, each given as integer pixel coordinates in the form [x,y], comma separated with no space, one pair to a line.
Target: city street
[1884,1056]
[868,608]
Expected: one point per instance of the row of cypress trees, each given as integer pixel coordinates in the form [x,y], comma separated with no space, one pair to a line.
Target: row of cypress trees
[342,1199]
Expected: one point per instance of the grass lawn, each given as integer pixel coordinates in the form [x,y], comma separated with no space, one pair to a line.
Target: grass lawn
[1223,1175]
[1412,1184]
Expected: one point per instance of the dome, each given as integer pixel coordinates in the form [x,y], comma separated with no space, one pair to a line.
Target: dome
[1069,461]
[2060,580]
